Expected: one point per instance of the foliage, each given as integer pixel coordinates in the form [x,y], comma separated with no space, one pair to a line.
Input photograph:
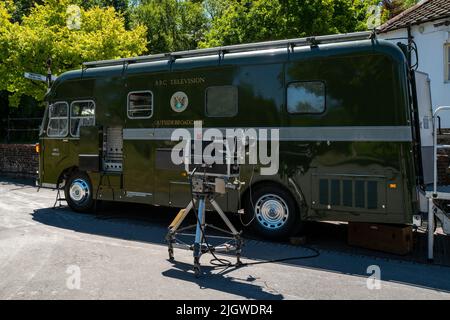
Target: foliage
[31,31]
[215,8]
[120,6]
[395,7]
[22,8]
[44,34]
[172,25]
[249,21]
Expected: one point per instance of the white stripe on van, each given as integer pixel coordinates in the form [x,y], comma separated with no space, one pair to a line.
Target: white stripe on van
[355,133]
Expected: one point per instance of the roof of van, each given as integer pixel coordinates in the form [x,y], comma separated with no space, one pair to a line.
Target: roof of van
[273,55]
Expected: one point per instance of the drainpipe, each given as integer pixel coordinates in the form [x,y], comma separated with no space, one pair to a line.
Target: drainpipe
[415,111]
[410,40]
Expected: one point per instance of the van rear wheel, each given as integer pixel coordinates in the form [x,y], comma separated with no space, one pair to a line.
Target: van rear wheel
[274,212]
[79,193]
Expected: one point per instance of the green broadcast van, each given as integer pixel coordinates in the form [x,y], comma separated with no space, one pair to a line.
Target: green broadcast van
[343,105]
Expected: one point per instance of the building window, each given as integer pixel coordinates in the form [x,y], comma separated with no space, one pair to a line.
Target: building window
[82,113]
[140,105]
[221,101]
[306,97]
[447,63]
[58,122]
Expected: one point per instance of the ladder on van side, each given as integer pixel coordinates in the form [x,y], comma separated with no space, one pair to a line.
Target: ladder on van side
[436,191]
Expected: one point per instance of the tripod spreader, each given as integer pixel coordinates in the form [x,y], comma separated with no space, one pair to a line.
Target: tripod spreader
[200,245]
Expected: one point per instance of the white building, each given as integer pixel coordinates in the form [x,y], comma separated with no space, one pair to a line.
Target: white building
[428,23]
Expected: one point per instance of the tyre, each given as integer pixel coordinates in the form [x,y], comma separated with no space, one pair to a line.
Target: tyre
[274,212]
[79,193]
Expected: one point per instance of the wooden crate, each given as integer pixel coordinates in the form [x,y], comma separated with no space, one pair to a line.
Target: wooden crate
[382,237]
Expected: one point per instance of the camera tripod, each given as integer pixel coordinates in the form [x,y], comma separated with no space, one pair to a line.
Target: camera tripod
[203,191]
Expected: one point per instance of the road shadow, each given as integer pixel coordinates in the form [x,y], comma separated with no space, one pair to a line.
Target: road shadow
[12,178]
[219,281]
[149,225]
[9,179]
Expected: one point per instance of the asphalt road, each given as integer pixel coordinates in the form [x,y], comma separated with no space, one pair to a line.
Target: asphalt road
[58,254]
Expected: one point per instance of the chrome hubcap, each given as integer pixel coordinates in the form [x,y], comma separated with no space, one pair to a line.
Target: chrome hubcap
[271,211]
[79,191]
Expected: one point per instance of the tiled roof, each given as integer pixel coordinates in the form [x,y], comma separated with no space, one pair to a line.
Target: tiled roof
[424,11]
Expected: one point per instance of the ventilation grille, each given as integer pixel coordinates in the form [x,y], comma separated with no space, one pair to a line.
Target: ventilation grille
[113,150]
[344,193]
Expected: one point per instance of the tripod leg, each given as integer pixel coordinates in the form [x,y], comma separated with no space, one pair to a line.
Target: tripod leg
[224,217]
[197,268]
[58,196]
[238,250]
[236,234]
[100,182]
[170,237]
[175,224]
[170,250]
[199,232]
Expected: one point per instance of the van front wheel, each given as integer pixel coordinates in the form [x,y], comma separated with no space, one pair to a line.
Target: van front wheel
[78,192]
[273,212]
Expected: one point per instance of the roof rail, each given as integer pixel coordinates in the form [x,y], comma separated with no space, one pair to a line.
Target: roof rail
[289,44]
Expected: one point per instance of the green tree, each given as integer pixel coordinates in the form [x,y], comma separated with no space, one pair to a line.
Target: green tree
[121,6]
[249,21]
[215,8]
[172,25]
[395,7]
[69,37]
[23,7]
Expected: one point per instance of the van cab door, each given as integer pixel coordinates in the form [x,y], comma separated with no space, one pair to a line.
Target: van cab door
[54,144]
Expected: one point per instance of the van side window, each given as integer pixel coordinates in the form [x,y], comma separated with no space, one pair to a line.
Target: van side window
[306,97]
[221,101]
[58,122]
[82,113]
[140,105]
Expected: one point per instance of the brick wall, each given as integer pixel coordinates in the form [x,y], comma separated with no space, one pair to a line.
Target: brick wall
[20,160]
